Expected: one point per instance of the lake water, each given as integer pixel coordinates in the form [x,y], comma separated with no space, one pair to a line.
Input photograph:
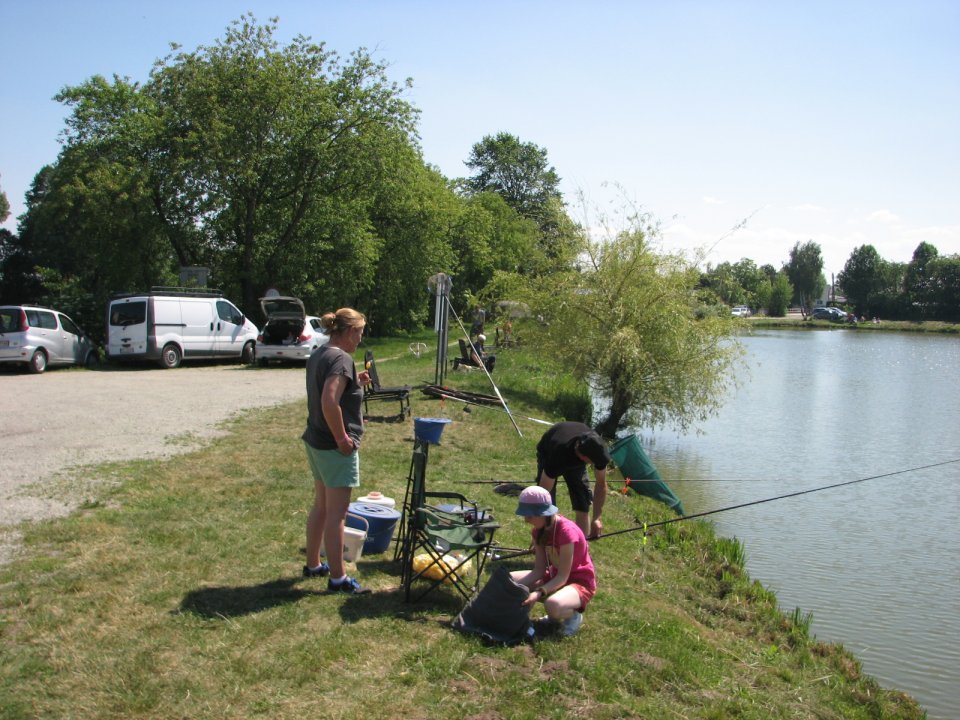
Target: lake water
[877,563]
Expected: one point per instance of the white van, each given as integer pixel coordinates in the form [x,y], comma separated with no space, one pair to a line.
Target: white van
[169,325]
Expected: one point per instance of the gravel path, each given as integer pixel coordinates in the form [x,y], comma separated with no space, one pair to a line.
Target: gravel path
[54,423]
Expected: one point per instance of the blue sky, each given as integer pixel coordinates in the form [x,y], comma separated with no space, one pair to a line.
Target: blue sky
[836,122]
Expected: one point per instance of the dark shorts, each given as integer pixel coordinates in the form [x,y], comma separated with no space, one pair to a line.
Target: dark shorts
[578,486]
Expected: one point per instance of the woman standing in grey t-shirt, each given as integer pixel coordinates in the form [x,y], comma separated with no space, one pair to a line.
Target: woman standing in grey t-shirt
[332,440]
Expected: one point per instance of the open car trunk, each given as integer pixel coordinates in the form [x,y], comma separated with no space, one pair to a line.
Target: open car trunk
[276,331]
[285,319]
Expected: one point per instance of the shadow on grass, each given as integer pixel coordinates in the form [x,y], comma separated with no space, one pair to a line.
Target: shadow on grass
[227,602]
[391,419]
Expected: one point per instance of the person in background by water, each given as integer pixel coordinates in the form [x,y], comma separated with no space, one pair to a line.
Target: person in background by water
[332,441]
[563,577]
[564,451]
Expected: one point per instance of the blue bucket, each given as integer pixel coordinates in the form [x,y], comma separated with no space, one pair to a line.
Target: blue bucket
[381,520]
[429,430]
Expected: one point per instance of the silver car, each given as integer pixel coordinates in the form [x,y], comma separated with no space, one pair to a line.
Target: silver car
[39,337]
[289,333]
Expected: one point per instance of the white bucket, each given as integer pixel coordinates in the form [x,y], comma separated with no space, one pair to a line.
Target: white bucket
[353,540]
[378,498]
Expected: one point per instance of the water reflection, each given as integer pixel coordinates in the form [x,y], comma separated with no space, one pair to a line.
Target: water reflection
[875,562]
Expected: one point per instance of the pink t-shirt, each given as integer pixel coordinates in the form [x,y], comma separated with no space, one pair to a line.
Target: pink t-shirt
[562,533]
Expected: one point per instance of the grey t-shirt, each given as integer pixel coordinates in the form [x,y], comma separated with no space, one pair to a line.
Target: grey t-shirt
[326,362]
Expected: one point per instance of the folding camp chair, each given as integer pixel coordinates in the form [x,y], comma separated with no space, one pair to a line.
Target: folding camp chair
[375,391]
[469,354]
[466,358]
[442,544]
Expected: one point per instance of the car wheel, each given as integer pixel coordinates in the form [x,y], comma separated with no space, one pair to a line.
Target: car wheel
[38,362]
[170,357]
[249,354]
[92,361]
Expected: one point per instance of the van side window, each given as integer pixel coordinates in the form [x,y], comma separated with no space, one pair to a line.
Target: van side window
[228,312]
[68,325]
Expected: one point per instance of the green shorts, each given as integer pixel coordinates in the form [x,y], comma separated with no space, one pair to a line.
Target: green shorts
[334,469]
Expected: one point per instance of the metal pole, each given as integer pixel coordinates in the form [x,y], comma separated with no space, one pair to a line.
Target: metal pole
[441,284]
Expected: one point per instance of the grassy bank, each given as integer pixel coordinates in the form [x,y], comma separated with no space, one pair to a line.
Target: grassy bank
[793,322]
[176,592]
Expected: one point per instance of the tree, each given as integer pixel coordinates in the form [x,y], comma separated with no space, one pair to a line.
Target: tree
[944,294]
[861,278]
[519,173]
[516,171]
[626,323]
[781,292]
[245,157]
[739,283]
[805,271]
[4,207]
[489,236]
[413,217]
[918,285]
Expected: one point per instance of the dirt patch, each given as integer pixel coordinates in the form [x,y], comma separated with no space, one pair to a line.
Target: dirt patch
[54,424]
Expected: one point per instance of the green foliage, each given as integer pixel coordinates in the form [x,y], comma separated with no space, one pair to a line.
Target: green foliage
[412,216]
[944,298]
[931,285]
[781,292]
[805,271]
[279,141]
[283,167]
[273,166]
[862,278]
[4,207]
[490,236]
[518,172]
[927,288]
[626,322]
[740,283]
[515,170]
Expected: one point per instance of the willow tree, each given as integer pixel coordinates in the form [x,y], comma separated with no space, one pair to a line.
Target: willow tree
[625,322]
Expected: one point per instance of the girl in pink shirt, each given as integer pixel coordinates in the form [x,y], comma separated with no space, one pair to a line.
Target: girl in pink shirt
[563,576]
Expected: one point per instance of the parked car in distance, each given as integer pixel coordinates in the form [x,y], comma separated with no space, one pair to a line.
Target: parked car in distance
[289,335]
[741,311]
[828,313]
[39,337]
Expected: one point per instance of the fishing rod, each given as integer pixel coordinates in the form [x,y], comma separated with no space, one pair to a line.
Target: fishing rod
[647,526]
[487,372]
[443,396]
[631,481]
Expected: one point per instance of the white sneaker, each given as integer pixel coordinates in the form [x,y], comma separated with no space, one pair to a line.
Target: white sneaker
[570,626]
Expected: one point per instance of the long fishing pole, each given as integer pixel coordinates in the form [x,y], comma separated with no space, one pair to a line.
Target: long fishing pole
[782,497]
[487,372]
[442,396]
[504,482]
[647,526]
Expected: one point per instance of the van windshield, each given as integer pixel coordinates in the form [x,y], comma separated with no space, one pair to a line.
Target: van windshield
[132,313]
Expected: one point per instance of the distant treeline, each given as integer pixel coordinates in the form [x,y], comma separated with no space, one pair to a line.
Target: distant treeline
[926,288]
